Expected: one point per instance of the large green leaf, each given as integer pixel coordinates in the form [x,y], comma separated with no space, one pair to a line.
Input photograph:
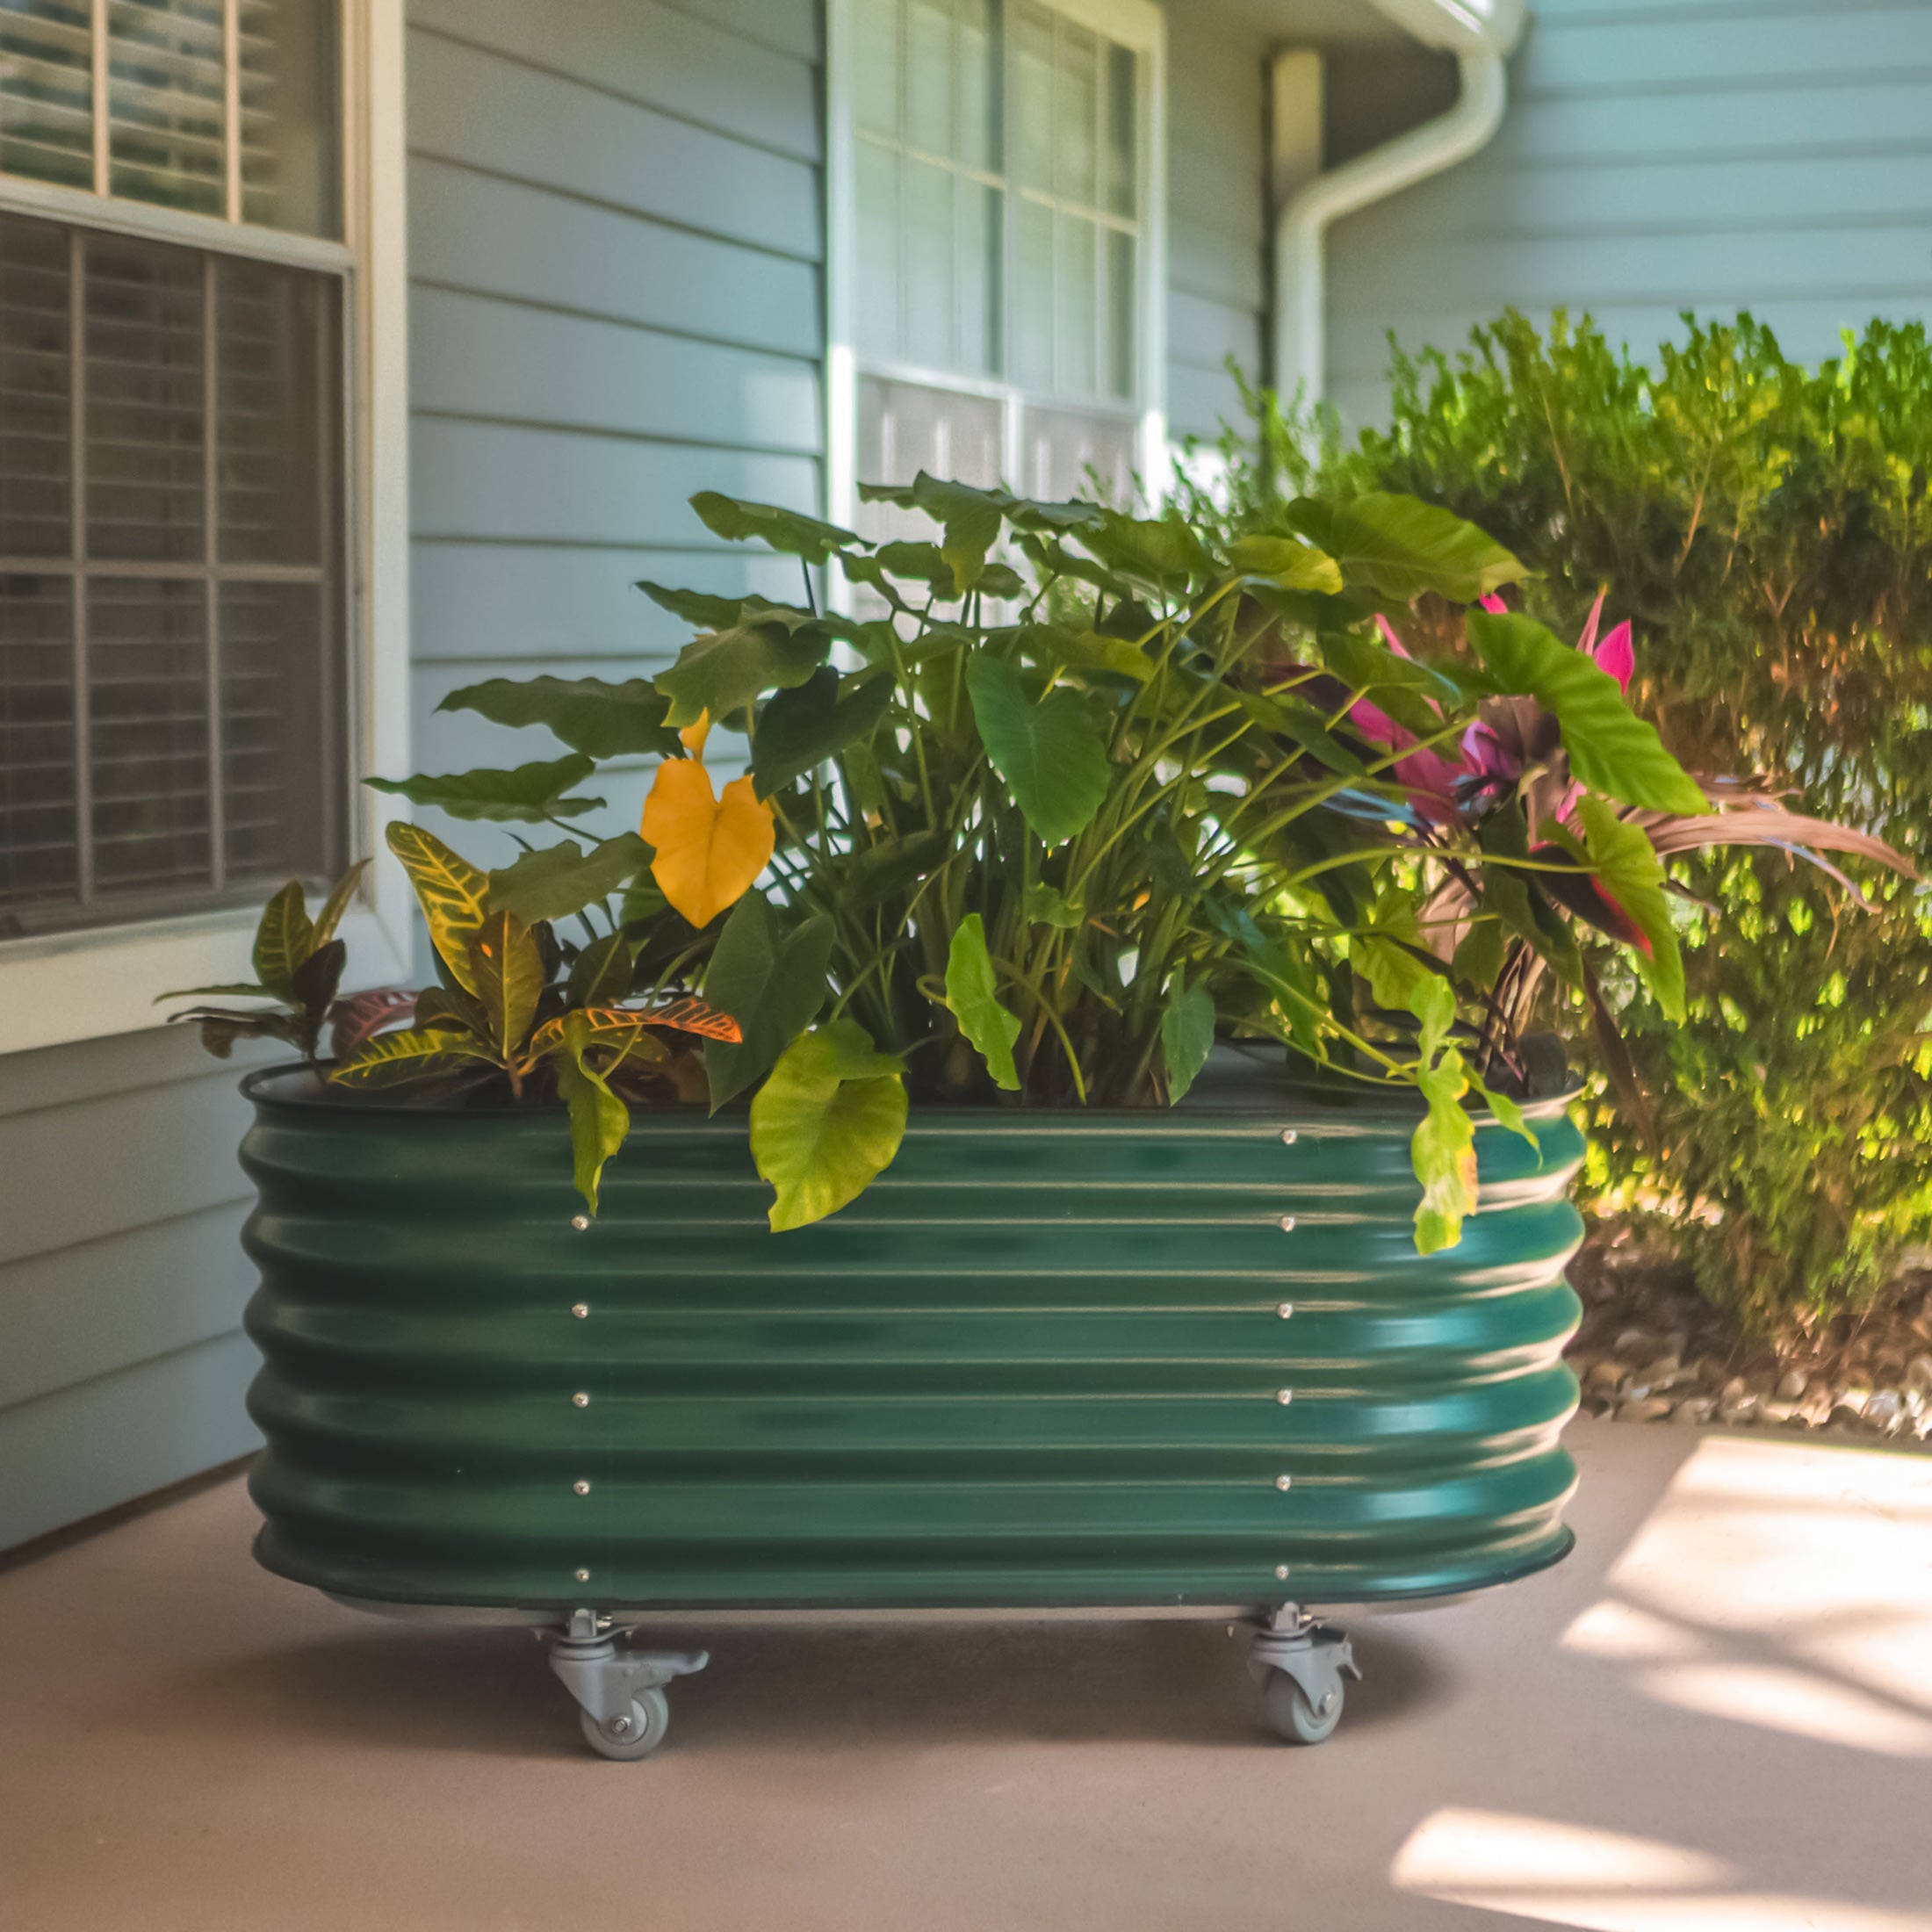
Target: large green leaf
[1160,551]
[696,606]
[602,974]
[1626,863]
[509,976]
[599,1120]
[789,530]
[804,726]
[972,521]
[724,670]
[1048,751]
[1611,749]
[1401,546]
[1187,1037]
[1054,647]
[1284,562]
[828,1119]
[601,719]
[772,981]
[454,895]
[530,793]
[972,992]
[555,881]
[282,940]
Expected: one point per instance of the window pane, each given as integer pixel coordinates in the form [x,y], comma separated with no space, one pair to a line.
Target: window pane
[980,278]
[928,263]
[876,66]
[1122,344]
[878,305]
[276,356]
[1077,132]
[46,91]
[38,852]
[1032,359]
[980,84]
[1122,131]
[166,93]
[929,75]
[144,402]
[276,705]
[148,699]
[1071,454]
[1079,306]
[290,115]
[35,390]
[1031,123]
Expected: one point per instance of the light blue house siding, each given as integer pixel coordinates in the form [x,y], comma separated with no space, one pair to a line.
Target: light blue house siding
[1773,154]
[615,240]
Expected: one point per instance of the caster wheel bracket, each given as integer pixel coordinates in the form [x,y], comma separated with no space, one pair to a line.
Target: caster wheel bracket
[604,1679]
[1314,1656]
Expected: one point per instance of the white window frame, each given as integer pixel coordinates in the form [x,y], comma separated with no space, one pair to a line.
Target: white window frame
[1136,24]
[61,987]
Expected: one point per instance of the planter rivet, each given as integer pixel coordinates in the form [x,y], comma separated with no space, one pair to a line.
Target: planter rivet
[1285,1310]
[581,1399]
[579,1309]
[1284,1396]
[581,1487]
[1284,1483]
[1282,1571]
[579,1222]
[1287,1136]
[583,1576]
[1288,1224]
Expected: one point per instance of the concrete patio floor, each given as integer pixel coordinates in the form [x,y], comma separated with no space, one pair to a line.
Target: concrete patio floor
[1718,1714]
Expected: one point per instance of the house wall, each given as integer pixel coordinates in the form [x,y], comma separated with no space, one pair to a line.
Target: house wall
[1716,155]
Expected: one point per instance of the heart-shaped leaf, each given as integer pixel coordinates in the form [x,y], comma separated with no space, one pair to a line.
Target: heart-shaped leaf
[555,881]
[1628,869]
[789,530]
[1611,749]
[529,793]
[804,726]
[772,981]
[1402,546]
[829,1119]
[601,719]
[1048,751]
[972,992]
[708,849]
[723,672]
[1286,563]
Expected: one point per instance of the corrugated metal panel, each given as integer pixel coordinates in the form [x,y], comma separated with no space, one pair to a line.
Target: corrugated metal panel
[1765,155]
[1041,1360]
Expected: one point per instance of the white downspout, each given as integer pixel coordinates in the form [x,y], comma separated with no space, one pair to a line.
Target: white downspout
[1302,226]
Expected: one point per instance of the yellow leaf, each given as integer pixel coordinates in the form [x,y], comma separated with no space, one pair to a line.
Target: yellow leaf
[708,849]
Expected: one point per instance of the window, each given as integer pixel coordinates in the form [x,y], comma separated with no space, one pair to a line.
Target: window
[1000,306]
[174,730]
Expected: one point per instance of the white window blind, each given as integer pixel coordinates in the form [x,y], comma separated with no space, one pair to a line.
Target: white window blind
[1000,274]
[172,613]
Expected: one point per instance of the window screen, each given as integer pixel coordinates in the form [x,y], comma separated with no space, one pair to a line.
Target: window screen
[170,576]
[998,176]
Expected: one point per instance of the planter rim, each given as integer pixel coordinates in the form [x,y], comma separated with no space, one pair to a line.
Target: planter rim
[272,1088]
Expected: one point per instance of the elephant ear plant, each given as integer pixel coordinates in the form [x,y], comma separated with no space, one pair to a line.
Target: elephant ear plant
[1065,796]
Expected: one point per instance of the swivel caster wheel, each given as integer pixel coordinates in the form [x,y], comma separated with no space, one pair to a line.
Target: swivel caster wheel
[632,1734]
[1296,1716]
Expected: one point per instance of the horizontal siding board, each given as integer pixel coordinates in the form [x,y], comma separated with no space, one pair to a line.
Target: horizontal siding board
[656,55]
[88,1448]
[486,112]
[89,1311]
[791,27]
[92,1069]
[484,609]
[1201,401]
[1202,335]
[472,355]
[481,234]
[488,481]
[78,1171]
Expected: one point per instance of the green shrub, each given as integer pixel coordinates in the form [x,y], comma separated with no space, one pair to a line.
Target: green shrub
[1768,529]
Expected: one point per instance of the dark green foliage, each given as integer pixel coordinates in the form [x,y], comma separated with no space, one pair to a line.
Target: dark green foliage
[1768,529]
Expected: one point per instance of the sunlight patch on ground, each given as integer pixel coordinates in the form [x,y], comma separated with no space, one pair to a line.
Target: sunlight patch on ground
[1562,1874]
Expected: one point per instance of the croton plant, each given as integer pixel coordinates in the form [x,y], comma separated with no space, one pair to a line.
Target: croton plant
[1031,813]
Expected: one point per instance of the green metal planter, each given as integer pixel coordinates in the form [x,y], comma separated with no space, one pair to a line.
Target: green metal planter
[1096,1361]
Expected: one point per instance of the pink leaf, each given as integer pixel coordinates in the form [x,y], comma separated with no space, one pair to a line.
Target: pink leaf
[1616,655]
[1586,643]
[1494,605]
